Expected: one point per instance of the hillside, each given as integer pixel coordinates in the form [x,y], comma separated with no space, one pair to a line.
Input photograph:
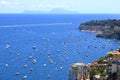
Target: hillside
[104,28]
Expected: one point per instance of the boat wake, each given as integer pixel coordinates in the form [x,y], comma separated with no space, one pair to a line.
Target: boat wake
[32,25]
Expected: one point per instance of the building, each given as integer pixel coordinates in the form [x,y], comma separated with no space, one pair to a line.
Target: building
[79,71]
[114,65]
[114,62]
[114,52]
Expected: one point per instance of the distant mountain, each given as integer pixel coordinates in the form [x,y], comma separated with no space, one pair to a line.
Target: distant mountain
[62,11]
[53,11]
[33,12]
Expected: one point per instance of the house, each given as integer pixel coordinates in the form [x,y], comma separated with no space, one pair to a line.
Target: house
[114,65]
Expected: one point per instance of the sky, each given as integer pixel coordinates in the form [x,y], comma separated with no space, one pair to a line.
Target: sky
[81,6]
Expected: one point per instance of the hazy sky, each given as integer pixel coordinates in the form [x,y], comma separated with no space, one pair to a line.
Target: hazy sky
[82,6]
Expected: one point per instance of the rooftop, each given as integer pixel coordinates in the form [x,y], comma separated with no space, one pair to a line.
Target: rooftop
[78,64]
[114,52]
[115,59]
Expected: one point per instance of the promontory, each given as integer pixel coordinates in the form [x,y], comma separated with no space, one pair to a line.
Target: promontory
[104,28]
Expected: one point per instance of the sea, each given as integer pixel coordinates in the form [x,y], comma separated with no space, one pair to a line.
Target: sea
[44,46]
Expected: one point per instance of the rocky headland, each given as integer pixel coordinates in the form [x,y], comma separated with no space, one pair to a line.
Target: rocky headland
[104,28]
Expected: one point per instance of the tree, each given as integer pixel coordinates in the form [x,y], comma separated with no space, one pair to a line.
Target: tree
[93,71]
[102,60]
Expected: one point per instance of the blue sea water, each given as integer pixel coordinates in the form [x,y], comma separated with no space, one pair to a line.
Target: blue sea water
[58,43]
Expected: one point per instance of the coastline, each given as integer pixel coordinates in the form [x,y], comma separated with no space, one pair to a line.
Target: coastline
[104,68]
[103,28]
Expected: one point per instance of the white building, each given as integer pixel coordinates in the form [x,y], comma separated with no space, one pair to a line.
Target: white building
[114,67]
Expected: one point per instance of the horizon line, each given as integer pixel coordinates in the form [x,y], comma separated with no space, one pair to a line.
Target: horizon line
[60,13]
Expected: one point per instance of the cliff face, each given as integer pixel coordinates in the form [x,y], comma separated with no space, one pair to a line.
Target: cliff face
[104,28]
[93,28]
[114,34]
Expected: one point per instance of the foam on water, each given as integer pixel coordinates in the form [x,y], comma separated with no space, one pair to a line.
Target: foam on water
[32,25]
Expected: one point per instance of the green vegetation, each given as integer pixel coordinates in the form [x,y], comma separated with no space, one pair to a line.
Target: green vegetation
[94,71]
[103,67]
[109,22]
[75,69]
[102,60]
[113,55]
[98,70]
[106,28]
